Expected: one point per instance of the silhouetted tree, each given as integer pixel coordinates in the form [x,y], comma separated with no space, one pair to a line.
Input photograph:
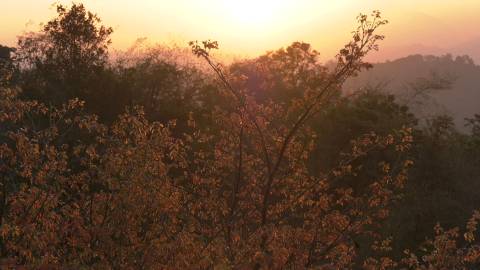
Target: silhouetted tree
[66,59]
[6,65]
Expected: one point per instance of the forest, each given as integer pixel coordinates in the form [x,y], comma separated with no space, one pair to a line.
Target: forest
[168,158]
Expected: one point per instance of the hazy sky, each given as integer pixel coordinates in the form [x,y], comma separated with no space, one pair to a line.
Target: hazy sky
[250,27]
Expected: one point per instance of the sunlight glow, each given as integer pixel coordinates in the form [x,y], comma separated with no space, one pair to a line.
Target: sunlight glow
[251,27]
[251,11]
[254,13]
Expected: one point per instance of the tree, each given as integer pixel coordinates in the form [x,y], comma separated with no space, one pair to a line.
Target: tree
[283,75]
[294,219]
[6,65]
[65,59]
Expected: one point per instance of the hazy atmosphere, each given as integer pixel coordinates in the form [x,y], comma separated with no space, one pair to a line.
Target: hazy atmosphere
[253,134]
[251,27]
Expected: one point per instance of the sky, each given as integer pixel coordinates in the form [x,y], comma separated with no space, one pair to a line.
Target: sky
[251,27]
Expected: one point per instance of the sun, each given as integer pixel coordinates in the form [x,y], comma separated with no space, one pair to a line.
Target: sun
[253,12]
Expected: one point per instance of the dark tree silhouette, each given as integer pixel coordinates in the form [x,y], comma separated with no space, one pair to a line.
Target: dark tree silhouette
[65,59]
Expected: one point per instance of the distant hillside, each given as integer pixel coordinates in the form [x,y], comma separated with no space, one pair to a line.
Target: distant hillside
[472,48]
[399,77]
[469,47]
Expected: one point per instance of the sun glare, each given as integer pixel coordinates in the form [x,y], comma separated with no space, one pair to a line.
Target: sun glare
[258,13]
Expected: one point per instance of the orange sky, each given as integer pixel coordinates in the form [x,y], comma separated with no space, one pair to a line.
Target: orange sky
[250,27]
